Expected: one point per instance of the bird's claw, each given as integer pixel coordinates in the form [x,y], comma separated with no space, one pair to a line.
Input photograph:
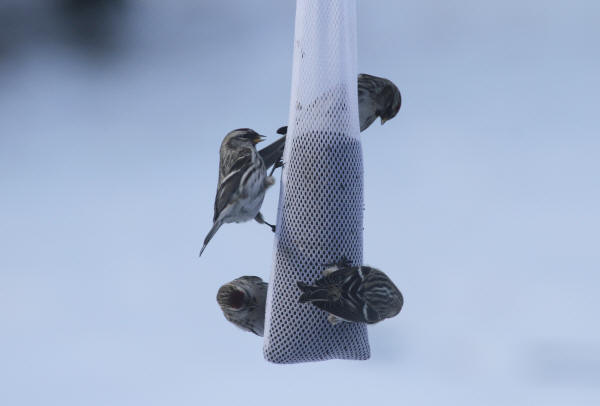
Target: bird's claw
[343,262]
[278,164]
[333,320]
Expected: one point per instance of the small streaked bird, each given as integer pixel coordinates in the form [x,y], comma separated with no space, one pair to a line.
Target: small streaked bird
[242,182]
[243,303]
[353,293]
[377,97]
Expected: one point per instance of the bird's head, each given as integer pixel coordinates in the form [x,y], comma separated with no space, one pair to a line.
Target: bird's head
[243,136]
[392,103]
[232,297]
[241,293]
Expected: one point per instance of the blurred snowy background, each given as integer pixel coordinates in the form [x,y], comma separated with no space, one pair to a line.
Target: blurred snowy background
[482,202]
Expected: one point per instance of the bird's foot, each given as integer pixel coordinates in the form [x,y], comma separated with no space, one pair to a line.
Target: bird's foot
[260,219]
[269,180]
[344,262]
[278,164]
[333,320]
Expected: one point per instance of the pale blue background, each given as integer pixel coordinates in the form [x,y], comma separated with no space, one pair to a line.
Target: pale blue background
[482,203]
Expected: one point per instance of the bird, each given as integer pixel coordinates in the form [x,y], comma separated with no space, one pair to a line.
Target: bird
[242,183]
[377,97]
[243,303]
[353,294]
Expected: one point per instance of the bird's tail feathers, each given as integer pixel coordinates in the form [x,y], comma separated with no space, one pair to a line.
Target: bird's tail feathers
[210,235]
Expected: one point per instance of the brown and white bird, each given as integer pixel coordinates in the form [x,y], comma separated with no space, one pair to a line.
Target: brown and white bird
[353,293]
[242,183]
[377,97]
[243,303]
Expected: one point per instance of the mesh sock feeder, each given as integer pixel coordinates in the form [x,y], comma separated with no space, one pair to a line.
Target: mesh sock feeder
[320,214]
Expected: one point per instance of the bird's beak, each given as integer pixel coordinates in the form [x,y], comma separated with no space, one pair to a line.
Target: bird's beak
[258,139]
[383,120]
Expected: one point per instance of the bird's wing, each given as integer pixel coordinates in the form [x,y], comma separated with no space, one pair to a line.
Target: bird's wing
[384,96]
[343,309]
[273,152]
[231,182]
[366,84]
